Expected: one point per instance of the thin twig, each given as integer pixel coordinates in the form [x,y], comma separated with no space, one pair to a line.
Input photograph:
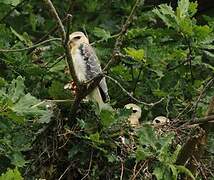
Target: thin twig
[199,167]
[14,8]
[50,32]
[89,167]
[52,101]
[123,31]
[130,95]
[138,77]
[141,167]
[201,120]
[28,48]
[65,172]
[103,39]
[57,61]
[56,16]
[208,84]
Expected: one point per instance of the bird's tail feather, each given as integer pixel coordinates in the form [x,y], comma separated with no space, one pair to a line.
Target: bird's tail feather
[96,97]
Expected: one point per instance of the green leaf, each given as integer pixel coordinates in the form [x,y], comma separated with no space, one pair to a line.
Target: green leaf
[183,169]
[101,33]
[107,118]
[166,14]
[16,89]
[174,156]
[17,159]
[192,8]
[11,2]
[25,105]
[46,116]
[164,151]
[23,38]
[159,173]
[147,136]
[11,174]
[142,153]
[174,171]
[182,9]
[202,32]
[29,105]
[73,151]
[136,54]
[96,138]
[162,172]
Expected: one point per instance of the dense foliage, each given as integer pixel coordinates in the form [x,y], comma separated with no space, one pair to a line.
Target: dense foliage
[167,52]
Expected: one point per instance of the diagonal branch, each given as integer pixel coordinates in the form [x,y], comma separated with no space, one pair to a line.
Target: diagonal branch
[82,89]
[31,47]
[56,16]
[131,96]
[121,34]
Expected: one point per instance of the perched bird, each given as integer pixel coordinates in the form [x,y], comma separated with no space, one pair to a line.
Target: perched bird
[160,121]
[135,115]
[87,66]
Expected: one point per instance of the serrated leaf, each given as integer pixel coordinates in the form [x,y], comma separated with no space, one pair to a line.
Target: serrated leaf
[17,159]
[174,171]
[136,54]
[11,174]
[25,105]
[142,153]
[101,33]
[182,9]
[159,173]
[164,151]
[95,138]
[192,8]
[183,169]
[10,2]
[202,32]
[147,136]
[166,14]
[107,118]
[209,55]
[46,117]
[16,89]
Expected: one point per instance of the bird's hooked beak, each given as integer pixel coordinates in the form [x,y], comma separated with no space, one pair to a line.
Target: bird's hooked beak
[76,38]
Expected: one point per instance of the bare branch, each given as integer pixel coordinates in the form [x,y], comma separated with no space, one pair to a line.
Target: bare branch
[89,167]
[31,47]
[65,43]
[123,31]
[14,8]
[208,84]
[201,120]
[56,16]
[65,172]
[131,96]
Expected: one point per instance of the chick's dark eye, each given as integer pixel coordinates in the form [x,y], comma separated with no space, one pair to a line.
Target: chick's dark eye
[77,37]
[134,110]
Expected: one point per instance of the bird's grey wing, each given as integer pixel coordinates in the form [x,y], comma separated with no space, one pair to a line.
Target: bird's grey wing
[93,68]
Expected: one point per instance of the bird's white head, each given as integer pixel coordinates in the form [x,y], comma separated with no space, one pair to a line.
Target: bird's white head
[135,115]
[77,38]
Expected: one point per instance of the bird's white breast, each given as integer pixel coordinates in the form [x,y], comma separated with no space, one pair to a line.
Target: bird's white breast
[79,65]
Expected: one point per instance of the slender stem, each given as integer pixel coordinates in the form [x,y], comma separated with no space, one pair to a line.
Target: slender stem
[28,48]
[130,95]
[56,16]
[122,32]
